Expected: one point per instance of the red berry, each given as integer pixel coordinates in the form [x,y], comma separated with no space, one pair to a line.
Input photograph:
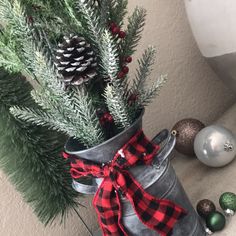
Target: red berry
[112,25]
[128,59]
[121,75]
[125,69]
[132,99]
[108,117]
[115,30]
[30,19]
[122,34]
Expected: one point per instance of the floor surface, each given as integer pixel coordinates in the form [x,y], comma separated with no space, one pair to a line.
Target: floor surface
[202,182]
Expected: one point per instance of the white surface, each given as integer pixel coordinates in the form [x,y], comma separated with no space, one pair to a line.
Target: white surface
[213,24]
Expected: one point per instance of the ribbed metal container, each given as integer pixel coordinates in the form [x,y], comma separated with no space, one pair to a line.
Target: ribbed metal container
[162,183]
[158,179]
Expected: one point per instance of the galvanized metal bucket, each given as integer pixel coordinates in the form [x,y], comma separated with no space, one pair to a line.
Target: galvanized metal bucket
[158,179]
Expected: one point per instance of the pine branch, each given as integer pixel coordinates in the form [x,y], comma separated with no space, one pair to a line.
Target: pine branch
[32,169]
[53,22]
[109,57]
[104,12]
[115,93]
[40,118]
[144,70]
[57,101]
[79,119]
[90,129]
[133,33]
[73,16]
[117,106]
[147,95]
[117,9]
[9,60]
[91,21]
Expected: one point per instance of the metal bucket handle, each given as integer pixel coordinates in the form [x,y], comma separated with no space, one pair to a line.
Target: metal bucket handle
[167,142]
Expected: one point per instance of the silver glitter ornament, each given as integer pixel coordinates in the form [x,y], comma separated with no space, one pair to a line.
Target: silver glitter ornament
[215,146]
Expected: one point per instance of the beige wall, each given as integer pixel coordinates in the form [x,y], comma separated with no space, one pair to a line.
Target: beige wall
[193,90]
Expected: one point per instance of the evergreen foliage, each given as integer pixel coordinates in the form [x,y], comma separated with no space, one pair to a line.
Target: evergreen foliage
[73,112]
[135,26]
[30,33]
[51,95]
[30,155]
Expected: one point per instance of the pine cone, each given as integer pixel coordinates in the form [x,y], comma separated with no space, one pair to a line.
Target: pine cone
[76,61]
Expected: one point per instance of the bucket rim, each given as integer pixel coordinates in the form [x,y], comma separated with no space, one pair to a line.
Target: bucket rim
[105,142]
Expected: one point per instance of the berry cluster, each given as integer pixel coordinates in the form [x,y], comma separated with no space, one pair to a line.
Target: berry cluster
[116,31]
[106,118]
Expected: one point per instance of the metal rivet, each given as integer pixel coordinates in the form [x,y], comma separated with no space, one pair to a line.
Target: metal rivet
[174,132]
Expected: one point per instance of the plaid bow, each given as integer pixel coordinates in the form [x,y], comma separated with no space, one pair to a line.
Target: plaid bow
[157,214]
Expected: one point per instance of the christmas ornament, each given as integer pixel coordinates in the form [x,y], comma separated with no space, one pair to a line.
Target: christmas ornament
[205,207]
[185,131]
[228,203]
[215,146]
[76,61]
[215,222]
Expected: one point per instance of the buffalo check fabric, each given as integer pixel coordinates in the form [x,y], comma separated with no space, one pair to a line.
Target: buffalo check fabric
[157,214]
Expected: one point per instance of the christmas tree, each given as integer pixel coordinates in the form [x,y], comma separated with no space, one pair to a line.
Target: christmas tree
[77,58]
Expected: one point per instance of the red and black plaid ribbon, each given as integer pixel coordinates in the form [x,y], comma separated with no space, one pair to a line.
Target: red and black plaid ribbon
[157,214]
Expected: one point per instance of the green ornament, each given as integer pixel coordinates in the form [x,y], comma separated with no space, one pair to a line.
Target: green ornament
[228,203]
[215,221]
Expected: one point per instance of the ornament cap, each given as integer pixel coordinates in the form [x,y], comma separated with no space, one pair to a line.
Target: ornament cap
[229,212]
[208,231]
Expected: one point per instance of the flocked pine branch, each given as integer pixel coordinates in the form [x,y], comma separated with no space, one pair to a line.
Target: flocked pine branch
[9,60]
[144,69]
[42,69]
[40,118]
[118,107]
[44,16]
[133,33]
[72,15]
[109,56]
[36,170]
[116,93]
[146,96]
[91,21]
[117,9]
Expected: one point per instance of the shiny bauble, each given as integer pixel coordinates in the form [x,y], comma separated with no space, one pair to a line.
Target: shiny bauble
[205,207]
[215,221]
[215,146]
[228,203]
[186,131]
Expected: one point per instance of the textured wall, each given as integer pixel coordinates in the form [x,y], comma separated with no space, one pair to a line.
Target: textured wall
[193,90]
